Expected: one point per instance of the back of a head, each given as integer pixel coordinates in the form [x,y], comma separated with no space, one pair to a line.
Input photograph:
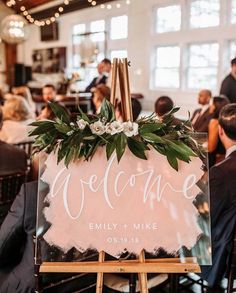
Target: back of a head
[227,120]
[105,91]
[163,105]
[233,61]
[219,102]
[16,109]
[136,108]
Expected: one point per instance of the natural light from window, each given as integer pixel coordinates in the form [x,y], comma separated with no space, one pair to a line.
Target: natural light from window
[97,27]
[204,13]
[203,64]
[79,29]
[119,54]
[167,67]
[119,27]
[168,19]
[233,11]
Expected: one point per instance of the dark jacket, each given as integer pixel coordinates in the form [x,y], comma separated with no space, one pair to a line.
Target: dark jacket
[12,159]
[228,88]
[16,242]
[96,81]
[223,217]
[202,122]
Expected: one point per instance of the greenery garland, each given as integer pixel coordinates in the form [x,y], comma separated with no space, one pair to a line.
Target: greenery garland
[80,138]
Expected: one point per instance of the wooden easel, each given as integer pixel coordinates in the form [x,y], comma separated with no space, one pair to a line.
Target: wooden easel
[141,266]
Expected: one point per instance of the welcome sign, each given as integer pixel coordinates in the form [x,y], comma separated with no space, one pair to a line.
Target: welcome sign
[129,206]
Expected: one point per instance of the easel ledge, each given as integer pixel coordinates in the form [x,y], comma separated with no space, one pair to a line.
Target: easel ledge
[165,265]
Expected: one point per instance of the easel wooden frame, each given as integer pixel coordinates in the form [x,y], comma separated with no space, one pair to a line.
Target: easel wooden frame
[141,266]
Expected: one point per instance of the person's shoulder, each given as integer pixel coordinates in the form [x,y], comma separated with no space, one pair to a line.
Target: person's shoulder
[226,168]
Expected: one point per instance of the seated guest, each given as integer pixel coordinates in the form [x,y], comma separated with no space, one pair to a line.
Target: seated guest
[24,91]
[100,93]
[223,200]
[215,147]
[49,95]
[201,117]
[16,120]
[136,109]
[103,68]
[17,250]
[12,159]
[164,105]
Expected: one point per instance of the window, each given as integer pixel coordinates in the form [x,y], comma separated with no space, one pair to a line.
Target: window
[119,54]
[233,11]
[203,64]
[98,28]
[204,13]
[79,29]
[168,19]
[167,67]
[119,27]
[232,49]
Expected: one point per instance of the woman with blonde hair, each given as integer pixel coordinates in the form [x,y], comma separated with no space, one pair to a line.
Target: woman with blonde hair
[16,120]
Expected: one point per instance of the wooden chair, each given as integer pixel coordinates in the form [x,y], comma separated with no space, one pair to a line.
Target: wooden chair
[232,266]
[27,147]
[9,187]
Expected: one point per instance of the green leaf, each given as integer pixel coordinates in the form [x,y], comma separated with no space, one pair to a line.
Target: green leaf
[137,148]
[107,111]
[150,127]
[172,159]
[43,128]
[83,115]
[110,147]
[153,138]
[60,112]
[120,145]
[63,128]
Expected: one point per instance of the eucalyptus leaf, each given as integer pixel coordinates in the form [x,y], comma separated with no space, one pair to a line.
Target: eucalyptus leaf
[172,159]
[151,137]
[110,147]
[150,127]
[60,112]
[42,128]
[137,148]
[120,145]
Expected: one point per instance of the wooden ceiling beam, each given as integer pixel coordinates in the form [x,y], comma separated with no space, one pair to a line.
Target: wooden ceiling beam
[74,5]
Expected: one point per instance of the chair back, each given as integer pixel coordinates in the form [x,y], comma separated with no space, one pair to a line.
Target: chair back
[9,187]
[26,146]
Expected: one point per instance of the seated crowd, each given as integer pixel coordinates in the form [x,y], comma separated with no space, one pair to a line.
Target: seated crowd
[216,116]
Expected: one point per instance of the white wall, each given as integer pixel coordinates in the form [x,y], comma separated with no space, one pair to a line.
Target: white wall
[140,44]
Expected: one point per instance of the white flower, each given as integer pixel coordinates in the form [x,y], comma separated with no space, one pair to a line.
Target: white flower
[82,124]
[130,128]
[114,127]
[98,128]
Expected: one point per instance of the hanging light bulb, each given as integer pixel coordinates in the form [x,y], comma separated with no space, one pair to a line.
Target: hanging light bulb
[14,29]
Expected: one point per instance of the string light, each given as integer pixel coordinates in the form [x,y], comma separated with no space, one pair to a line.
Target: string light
[47,21]
[108,6]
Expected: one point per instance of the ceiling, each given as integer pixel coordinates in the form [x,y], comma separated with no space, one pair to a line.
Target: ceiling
[44,12]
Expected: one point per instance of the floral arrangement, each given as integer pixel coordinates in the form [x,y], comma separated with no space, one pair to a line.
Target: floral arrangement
[80,137]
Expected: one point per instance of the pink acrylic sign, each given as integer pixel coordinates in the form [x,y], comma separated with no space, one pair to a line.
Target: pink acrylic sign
[113,207]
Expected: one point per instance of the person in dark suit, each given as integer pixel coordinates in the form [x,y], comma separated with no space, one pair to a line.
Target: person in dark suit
[104,68]
[223,200]
[12,159]
[202,116]
[228,86]
[16,243]
[17,250]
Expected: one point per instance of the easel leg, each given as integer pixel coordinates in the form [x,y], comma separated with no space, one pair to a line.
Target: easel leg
[132,283]
[143,276]
[100,275]
[174,282]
